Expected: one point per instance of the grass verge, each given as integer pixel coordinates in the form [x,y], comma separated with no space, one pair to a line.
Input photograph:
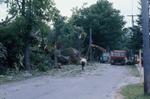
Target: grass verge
[134,92]
[71,70]
[66,71]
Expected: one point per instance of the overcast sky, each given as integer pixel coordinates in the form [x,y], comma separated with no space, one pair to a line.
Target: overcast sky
[65,6]
[125,6]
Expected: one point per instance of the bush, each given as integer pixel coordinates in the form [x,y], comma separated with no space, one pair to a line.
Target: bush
[3,53]
[40,60]
[12,38]
[3,57]
[42,68]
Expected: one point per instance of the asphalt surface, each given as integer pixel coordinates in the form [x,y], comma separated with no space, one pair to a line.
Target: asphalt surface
[101,83]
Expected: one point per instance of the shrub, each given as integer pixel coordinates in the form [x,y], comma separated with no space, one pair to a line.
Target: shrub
[3,57]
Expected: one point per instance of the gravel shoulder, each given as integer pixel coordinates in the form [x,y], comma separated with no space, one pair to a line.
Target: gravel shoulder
[100,82]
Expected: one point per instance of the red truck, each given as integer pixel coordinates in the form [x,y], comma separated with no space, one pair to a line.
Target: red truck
[118,57]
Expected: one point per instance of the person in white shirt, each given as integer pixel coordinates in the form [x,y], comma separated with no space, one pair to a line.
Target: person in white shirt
[83,62]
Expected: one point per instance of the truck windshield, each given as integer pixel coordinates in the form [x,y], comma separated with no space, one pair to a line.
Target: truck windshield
[118,54]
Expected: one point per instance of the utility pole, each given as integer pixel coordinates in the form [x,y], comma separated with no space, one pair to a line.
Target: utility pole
[132,15]
[132,19]
[146,42]
[132,22]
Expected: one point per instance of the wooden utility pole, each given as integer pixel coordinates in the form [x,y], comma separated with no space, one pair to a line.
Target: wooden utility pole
[132,15]
[132,19]
[146,42]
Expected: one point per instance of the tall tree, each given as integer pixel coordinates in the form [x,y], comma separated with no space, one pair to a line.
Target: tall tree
[67,34]
[31,13]
[105,21]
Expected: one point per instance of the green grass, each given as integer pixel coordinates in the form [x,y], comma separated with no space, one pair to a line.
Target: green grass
[18,76]
[134,92]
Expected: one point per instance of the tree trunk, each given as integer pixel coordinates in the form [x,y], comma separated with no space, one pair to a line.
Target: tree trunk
[26,46]
[26,57]
[27,31]
[55,57]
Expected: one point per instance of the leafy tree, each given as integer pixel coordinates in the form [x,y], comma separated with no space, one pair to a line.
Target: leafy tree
[66,34]
[28,17]
[125,39]
[105,21]
[12,39]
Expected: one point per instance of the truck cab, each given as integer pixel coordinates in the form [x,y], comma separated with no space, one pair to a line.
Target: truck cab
[118,57]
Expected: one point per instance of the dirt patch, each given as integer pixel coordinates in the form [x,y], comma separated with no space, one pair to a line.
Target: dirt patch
[119,95]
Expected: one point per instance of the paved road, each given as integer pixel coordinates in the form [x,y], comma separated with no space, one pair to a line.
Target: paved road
[101,83]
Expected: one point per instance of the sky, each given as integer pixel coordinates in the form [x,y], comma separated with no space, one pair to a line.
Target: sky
[127,7]
[65,6]
[3,11]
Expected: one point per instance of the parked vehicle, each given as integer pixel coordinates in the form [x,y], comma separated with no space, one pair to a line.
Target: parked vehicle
[105,58]
[118,57]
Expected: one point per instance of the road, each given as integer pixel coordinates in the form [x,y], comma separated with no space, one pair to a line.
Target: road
[101,83]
